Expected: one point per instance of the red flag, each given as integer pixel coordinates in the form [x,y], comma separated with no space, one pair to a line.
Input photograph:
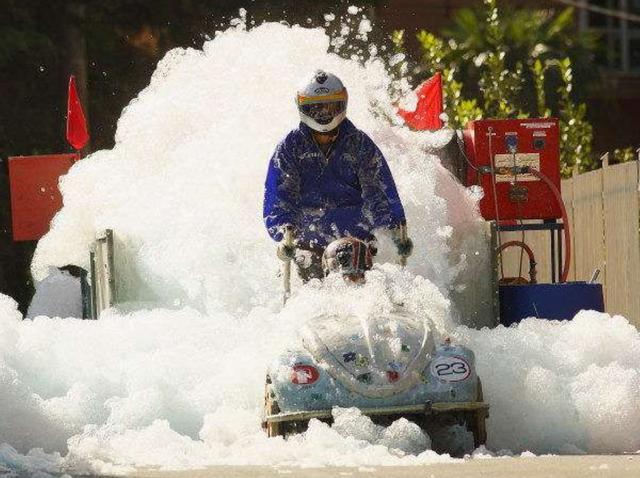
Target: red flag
[77,133]
[429,108]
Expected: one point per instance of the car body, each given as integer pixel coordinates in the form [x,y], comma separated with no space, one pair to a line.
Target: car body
[388,366]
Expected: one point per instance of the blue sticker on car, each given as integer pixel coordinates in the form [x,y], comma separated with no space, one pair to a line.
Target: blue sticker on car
[395,366]
[349,357]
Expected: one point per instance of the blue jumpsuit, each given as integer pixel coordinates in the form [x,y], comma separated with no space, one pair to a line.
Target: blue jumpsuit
[348,192]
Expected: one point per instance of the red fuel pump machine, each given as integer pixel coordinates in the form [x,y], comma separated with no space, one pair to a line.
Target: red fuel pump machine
[517,164]
[500,152]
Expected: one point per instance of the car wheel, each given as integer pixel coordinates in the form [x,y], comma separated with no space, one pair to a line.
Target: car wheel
[476,422]
[271,408]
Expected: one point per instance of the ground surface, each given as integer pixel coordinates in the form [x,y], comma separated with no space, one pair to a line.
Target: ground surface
[619,466]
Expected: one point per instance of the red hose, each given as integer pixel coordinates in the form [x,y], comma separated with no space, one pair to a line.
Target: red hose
[527,249]
[565,221]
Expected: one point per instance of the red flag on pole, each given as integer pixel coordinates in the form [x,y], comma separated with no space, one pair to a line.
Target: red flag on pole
[429,108]
[77,133]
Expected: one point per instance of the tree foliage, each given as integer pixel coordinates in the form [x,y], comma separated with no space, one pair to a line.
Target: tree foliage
[515,64]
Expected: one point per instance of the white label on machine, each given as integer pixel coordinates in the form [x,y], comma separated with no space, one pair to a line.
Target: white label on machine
[537,125]
[450,369]
[521,159]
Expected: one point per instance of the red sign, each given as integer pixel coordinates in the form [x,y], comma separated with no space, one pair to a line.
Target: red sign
[35,197]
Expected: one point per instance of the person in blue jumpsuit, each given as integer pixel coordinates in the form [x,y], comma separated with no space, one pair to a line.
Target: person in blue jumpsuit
[327,180]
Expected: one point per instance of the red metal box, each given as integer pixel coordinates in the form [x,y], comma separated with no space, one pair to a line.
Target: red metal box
[35,197]
[507,143]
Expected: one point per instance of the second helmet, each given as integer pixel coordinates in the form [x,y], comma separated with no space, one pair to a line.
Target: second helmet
[348,256]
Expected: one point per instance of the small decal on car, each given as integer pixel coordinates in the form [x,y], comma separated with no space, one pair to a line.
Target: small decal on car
[349,357]
[395,366]
[451,368]
[362,361]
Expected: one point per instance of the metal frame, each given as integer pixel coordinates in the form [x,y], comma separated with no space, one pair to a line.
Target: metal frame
[616,37]
[555,228]
[87,296]
[103,281]
[495,276]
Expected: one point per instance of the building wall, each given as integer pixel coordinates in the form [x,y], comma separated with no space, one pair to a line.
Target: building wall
[615,112]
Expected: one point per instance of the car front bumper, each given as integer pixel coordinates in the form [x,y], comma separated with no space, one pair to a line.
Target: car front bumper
[423,409]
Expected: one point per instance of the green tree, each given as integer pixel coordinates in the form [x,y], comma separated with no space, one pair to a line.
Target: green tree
[515,64]
[522,36]
[576,133]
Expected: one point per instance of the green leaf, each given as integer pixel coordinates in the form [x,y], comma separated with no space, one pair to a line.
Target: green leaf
[561,22]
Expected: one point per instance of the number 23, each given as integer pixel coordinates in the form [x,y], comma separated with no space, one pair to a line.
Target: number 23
[451,368]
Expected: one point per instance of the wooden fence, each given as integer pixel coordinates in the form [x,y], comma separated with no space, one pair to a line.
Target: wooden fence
[603,209]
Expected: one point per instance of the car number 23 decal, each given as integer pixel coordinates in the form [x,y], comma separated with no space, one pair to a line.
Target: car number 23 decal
[451,369]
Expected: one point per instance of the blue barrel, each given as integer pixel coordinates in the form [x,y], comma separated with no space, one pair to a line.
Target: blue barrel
[548,301]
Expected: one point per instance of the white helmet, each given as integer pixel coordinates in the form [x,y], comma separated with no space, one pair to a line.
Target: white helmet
[322,102]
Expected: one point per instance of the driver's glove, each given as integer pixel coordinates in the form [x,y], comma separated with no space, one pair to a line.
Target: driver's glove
[404,247]
[286,252]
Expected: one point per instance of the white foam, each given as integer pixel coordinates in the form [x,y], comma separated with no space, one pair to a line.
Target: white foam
[364,28]
[34,463]
[576,384]
[179,383]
